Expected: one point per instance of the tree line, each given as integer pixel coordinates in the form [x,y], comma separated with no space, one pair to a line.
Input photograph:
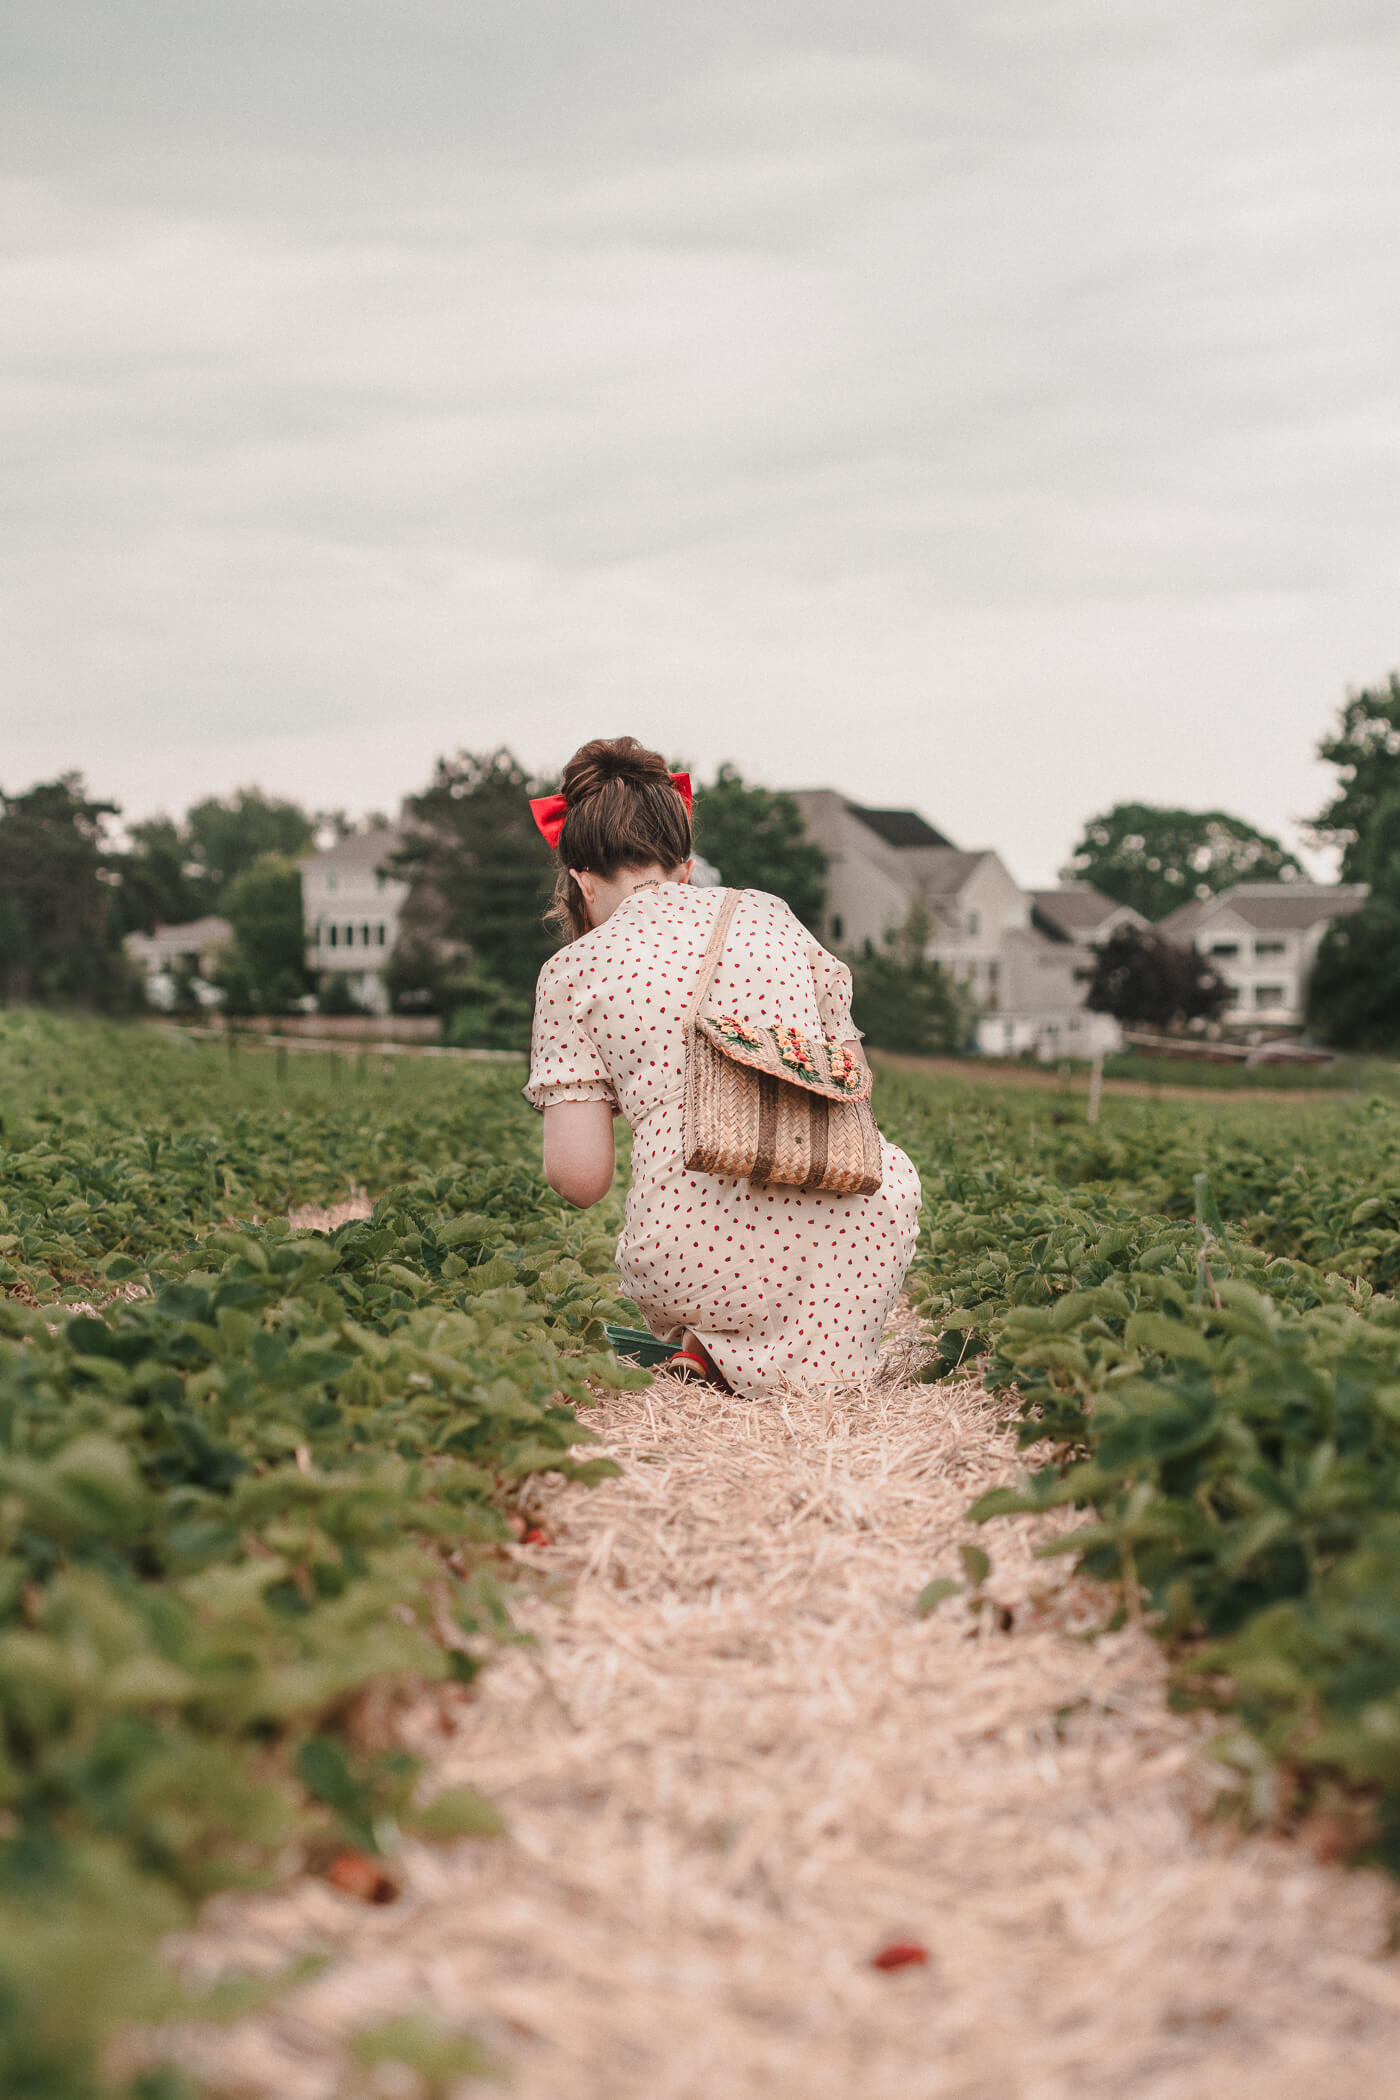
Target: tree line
[1156,859]
[472,937]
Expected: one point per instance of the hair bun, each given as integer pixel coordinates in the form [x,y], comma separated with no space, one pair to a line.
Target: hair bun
[622,810]
[605,760]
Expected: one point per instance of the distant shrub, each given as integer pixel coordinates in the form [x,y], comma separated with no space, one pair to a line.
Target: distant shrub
[905,1001]
[488,1016]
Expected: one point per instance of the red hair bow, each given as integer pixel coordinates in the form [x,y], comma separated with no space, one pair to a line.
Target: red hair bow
[549,811]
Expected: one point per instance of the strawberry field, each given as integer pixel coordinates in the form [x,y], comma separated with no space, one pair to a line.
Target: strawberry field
[256,1482]
[251,1477]
[1198,1311]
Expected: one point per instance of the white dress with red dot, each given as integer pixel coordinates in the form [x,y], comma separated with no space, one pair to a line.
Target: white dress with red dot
[777,1283]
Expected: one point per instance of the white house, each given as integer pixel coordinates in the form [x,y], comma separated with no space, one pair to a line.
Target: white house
[1263,939]
[1024,980]
[174,950]
[351,906]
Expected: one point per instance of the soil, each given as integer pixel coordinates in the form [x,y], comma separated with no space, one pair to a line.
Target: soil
[972,1071]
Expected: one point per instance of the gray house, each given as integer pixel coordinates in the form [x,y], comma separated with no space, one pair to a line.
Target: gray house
[1024,981]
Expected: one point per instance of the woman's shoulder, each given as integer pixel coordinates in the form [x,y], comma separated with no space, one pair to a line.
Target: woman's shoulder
[764,904]
[556,969]
[766,900]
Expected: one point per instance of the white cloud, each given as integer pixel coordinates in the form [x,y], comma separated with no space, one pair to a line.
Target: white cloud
[999,415]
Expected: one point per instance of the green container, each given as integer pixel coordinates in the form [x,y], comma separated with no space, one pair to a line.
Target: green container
[638,1346]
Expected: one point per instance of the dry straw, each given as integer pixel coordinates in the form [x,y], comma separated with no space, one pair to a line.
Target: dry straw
[737,1765]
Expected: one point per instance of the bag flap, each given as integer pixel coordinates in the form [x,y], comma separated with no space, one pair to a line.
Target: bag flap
[816,1063]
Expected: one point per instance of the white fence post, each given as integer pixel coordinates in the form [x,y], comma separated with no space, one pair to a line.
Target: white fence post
[1096,1088]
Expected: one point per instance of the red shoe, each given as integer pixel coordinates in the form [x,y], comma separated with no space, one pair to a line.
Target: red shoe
[693,1365]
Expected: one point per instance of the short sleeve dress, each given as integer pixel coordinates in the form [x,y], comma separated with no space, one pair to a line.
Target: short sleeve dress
[777,1283]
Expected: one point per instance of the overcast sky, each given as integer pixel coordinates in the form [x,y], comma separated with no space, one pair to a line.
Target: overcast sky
[990,407]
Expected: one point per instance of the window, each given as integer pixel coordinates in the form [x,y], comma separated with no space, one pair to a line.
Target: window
[1232,996]
[364,936]
[330,882]
[974,925]
[380,932]
[1269,995]
[1224,947]
[838,926]
[1263,948]
[334,933]
[993,979]
[349,936]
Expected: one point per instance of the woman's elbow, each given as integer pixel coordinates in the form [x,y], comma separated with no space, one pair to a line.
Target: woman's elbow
[581,1186]
[578,1151]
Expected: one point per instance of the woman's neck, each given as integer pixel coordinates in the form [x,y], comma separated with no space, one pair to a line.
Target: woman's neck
[603,895]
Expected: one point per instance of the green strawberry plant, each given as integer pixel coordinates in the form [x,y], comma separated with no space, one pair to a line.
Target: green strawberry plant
[248,1475]
[1196,1309]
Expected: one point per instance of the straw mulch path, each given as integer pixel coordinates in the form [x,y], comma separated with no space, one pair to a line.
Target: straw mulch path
[736,1766]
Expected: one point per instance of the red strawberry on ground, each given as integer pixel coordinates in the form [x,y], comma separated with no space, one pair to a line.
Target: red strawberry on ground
[900,1954]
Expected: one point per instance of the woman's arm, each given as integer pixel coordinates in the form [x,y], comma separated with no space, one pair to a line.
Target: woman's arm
[578,1150]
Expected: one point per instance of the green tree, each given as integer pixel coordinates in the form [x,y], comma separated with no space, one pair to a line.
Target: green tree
[481,874]
[902,1000]
[156,885]
[1363,816]
[1142,977]
[758,841]
[57,941]
[1354,990]
[263,969]
[1155,858]
[225,835]
[174,871]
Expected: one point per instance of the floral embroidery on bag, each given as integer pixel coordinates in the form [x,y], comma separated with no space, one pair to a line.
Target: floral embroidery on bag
[846,1071]
[735,1031]
[795,1052]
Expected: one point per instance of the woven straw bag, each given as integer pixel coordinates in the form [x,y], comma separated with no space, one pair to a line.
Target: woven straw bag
[771,1105]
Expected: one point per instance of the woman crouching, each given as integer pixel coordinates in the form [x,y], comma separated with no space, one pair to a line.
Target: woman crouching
[760,1284]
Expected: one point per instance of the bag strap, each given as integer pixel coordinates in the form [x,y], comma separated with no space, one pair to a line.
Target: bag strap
[711,959]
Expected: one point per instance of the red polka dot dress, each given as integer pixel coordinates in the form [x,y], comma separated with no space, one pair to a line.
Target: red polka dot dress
[777,1283]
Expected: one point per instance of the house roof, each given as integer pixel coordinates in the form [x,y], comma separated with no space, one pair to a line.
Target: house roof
[1075,910]
[191,938]
[941,871]
[357,849]
[1271,907]
[198,933]
[899,827]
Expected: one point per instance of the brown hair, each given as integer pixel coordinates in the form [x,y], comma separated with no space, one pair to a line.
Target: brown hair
[623,812]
